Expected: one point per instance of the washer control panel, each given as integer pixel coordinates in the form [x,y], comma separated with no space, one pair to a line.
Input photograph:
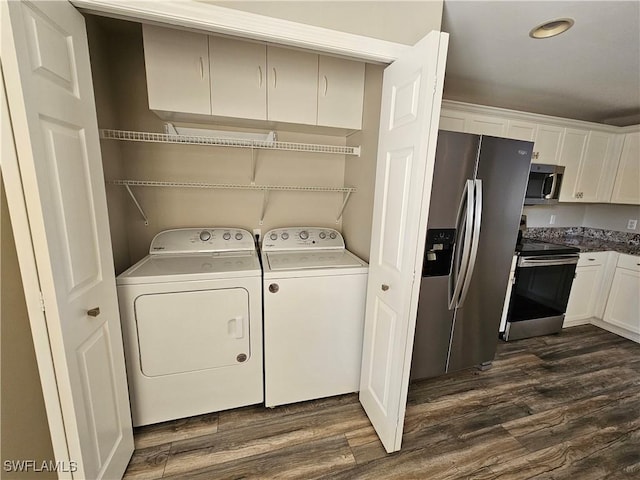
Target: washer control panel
[201,240]
[302,238]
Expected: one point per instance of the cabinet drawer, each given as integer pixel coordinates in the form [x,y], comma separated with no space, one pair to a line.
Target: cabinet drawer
[592,258]
[630,262]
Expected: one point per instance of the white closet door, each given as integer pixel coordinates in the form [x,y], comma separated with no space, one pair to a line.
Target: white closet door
[411,98]
[45,61]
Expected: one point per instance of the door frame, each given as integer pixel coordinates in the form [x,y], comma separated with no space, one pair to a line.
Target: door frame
[204,17]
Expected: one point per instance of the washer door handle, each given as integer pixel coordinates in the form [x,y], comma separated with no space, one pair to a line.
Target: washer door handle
[274,287]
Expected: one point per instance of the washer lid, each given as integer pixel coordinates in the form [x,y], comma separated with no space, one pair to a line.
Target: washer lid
[303,260]
[180,268]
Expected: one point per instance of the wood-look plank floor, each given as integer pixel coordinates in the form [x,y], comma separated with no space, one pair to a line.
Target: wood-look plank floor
[563,406]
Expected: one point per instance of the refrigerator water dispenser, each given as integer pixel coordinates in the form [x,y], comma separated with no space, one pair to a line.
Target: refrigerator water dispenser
[438,251]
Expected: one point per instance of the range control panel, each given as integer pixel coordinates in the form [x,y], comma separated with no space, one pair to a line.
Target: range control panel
[201,240]
[302,238]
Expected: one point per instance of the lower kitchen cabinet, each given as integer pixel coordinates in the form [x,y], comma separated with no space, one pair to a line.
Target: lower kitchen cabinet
[622,313]
[589,289]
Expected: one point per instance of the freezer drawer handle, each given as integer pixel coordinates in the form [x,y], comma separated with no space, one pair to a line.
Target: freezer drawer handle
[384,287]
[94,312]
[274,287]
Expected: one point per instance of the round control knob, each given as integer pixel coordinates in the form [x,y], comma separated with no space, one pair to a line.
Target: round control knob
[332,235]
[239,236]
[205,235]
[304,235]
[322,235]
[284,235]
[226,236]
[273,236]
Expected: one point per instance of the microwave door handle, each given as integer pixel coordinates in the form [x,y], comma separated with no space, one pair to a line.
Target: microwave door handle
[551,194]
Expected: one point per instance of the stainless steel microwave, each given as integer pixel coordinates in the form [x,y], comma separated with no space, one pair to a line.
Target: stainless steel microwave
[544,184]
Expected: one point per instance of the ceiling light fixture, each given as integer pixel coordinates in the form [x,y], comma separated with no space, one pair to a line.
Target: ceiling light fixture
[551,28]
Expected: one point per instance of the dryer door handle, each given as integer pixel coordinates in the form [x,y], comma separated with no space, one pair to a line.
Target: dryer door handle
[235,327]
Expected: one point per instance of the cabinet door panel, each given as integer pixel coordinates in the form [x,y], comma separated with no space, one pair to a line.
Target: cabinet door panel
[627,186]
[573,147]
[486,125]
[177,66]
[591,174]
[623,306]
[340,92]
[584,292]
[519,130]
[238,78]
[547,144]
[452,121]
[292,94]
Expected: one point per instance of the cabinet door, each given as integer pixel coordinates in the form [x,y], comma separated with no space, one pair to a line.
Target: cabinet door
[238,78]
[486,125]
[627,186]
[623,306]
[519,130]
[584,293]
[340,92]
[573,147]
[547,144]
[292,94]
[452,121]
[595,175]
[177,66]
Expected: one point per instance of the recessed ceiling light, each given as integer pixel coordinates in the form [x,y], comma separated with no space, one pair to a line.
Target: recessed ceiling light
[551,28]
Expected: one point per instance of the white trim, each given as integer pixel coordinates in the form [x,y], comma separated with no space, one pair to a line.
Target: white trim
[623,332]
[31,286]
[215,19]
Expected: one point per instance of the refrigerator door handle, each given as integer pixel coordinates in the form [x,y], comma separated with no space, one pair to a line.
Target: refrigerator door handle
[464,221]
[475,239]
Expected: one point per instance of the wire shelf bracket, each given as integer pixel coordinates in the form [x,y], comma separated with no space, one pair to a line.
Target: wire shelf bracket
[266,189]
[133,136]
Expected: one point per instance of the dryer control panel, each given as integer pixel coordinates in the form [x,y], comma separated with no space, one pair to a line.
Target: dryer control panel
[302,238]
[201,240]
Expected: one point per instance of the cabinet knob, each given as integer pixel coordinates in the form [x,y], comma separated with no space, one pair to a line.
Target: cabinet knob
[274,287]
[94,312]
[384,287]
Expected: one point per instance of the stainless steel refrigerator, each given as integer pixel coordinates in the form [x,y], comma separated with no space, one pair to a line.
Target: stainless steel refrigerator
[478,191]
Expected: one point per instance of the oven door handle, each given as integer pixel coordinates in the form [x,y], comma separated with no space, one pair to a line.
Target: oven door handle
[547,261]
[461,250]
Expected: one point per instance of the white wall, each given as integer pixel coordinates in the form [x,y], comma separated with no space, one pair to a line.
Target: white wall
[604,216]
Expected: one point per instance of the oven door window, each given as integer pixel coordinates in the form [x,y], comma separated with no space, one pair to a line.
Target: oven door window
[540,292]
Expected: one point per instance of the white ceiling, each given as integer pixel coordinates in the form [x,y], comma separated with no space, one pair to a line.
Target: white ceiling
[591,72]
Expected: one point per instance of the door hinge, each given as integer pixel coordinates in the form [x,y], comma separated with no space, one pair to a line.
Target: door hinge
[41,302]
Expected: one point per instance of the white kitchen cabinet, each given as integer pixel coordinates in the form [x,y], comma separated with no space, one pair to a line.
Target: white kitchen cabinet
[486,125]
[292,93]
[587,288]
[626,188]
[238,72]
[177,67]
[622,312]
[547,139]
[452,120]
[590,158]
[340,92]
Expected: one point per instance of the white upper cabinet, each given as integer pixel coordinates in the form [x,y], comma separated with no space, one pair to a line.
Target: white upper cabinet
[177,67]
[292,93]
[486,125]
[452,120]
[547,139]
[340,92]
[238,72]
[627,184]
[590,159]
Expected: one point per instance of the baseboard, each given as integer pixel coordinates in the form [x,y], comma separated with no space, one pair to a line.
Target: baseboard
[614,329]
[575,323]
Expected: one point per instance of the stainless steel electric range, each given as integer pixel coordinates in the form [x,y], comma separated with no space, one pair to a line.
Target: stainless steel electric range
[543,278]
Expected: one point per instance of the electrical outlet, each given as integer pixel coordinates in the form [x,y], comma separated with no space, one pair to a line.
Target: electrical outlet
[632,224]
[552,220]
[257,234]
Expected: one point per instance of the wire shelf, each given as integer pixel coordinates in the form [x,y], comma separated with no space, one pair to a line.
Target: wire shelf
[149,137]
[230,186]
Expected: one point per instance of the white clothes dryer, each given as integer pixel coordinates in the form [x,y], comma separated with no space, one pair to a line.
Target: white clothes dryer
[192,322]
[314,303]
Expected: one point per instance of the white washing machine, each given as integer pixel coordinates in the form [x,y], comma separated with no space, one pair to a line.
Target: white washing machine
[192,321]
[314,302]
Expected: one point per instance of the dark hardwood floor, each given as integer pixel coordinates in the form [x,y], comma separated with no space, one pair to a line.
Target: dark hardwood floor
[563,406]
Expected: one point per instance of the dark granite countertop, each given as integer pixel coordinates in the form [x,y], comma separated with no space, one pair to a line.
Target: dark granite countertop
[589,239]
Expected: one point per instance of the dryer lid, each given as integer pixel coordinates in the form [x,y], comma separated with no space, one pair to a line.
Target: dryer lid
[177,268]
